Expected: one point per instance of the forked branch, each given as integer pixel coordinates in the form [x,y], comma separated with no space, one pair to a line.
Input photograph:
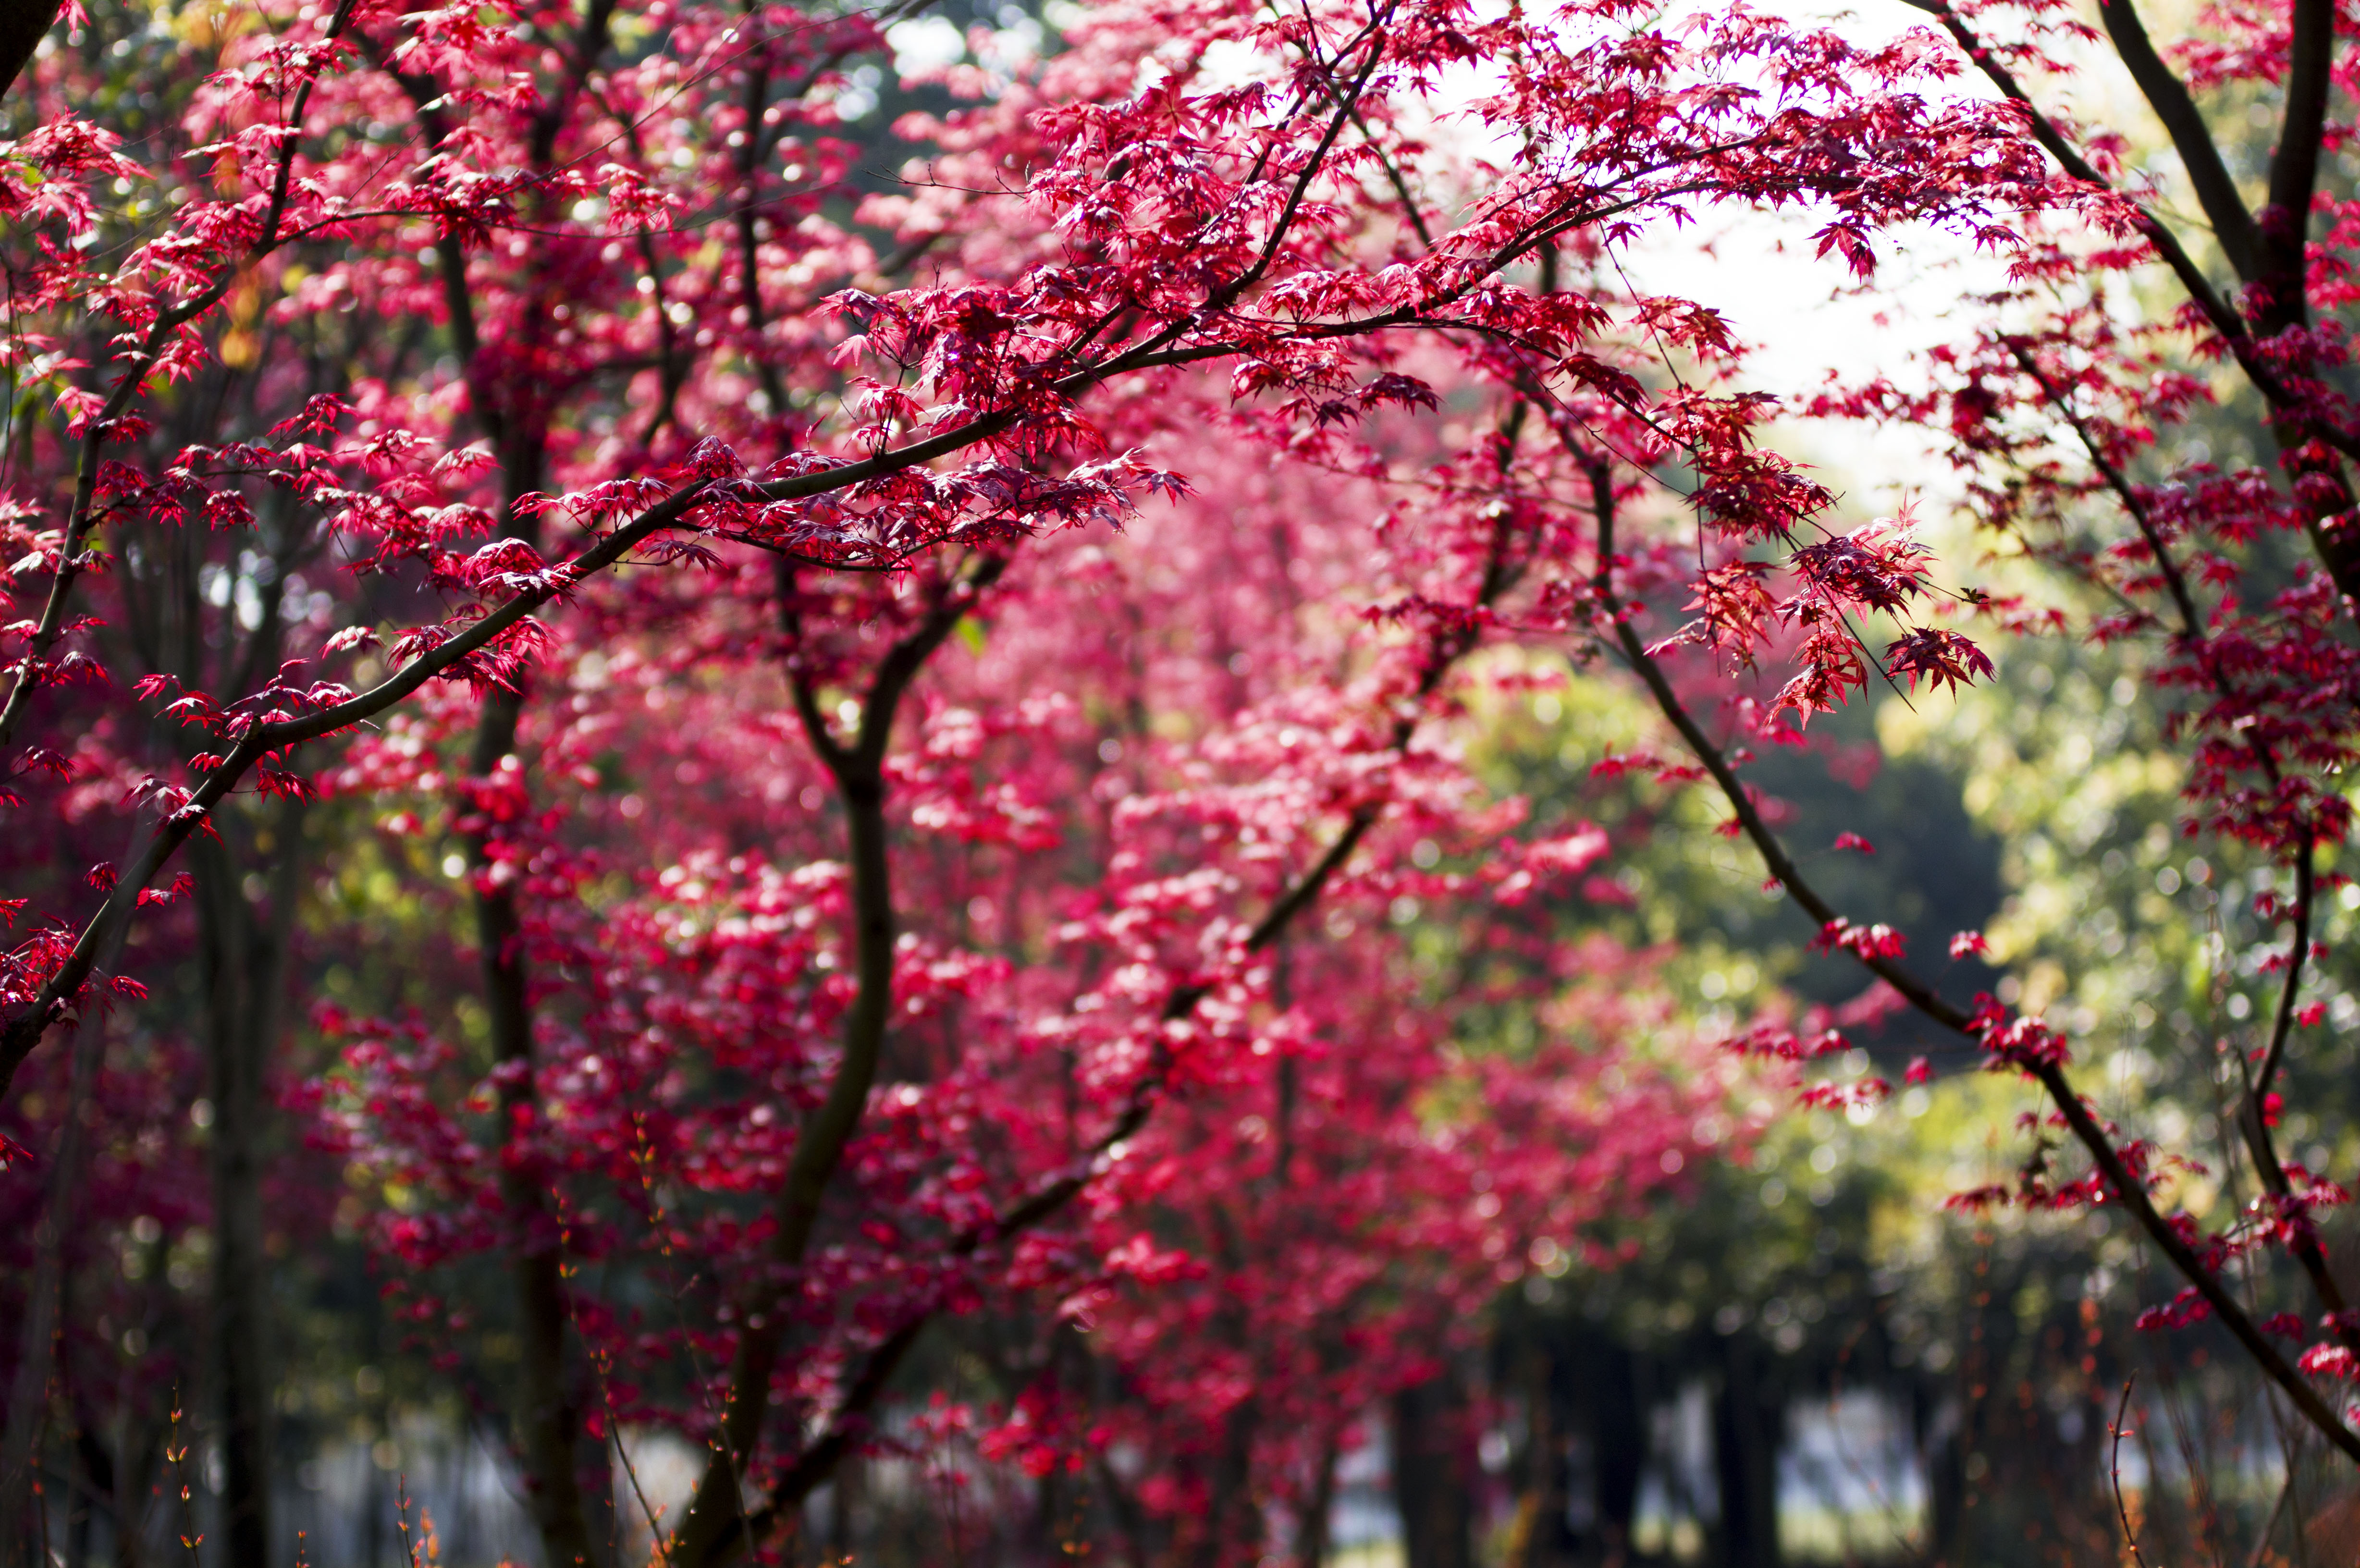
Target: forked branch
[817,1460]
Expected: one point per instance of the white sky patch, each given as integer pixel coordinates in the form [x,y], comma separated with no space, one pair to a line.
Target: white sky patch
[1807,323]
[1805,319]
[924,44]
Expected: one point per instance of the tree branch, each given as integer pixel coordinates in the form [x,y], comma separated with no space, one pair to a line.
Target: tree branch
[2294,167]
[818,1459]
[23,25]
[2233,226]
[21,1035]
[2130,1189]
[716,1514]
[100,427]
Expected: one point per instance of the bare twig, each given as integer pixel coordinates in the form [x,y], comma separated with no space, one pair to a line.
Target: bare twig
[2114,1474]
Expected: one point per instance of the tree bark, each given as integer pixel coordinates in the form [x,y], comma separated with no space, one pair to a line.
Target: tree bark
[717,1523]
[547,1412]
[1429,1475]
[244,954]
[23,25]
[1542,1538]
[1745,1459]
[1311,1530]
[1233,1521]
[1618,1429]
[29,1395]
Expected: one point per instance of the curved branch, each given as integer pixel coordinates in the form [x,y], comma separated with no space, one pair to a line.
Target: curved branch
[2294,167]
[2305,887]
[2233,226]
[715,1515]
[2253,1120]
[2279,300]
[2217,311]
[21,1035]
[23,25]
[818,1459]
[2127,1186]
[2192,623]
[2054,141]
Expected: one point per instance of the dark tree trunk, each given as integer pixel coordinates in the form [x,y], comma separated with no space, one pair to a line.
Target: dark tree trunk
[95,1488]
[548,1409]
[1936,1424]
[712,1528]
[244,953]
[1129,1519]
[842,1542]
[1542,1535]
[1746,1428]
[1617,1436]
[22,24]
[1431,1461]
[29,1395]
[1234,1521]
[1311,1532]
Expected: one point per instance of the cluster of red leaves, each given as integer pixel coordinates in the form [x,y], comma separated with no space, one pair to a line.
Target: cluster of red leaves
[618,407]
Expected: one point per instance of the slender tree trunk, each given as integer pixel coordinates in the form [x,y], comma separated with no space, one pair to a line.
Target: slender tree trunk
[1311,1532]
[1542,1538]
[840,1538]
[29,1395]
[240,1283]
[1745,1459]
[20,1439]
[1130,1519]
[95,1487]
[1938,1422]
[244,955]
[1232,1529]
[1429,1475]
[1233,1523]
[716,1523]
[548,1412]
[1618,1438]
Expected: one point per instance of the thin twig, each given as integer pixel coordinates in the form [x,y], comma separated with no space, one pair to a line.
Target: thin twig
[2114,1474]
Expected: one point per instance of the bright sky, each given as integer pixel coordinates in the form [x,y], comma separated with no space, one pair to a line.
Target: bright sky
[1759,270]
[1805,318]
[1798,311]
[1804,322]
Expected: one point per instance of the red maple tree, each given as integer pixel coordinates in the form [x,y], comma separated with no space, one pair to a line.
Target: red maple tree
[949,698]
